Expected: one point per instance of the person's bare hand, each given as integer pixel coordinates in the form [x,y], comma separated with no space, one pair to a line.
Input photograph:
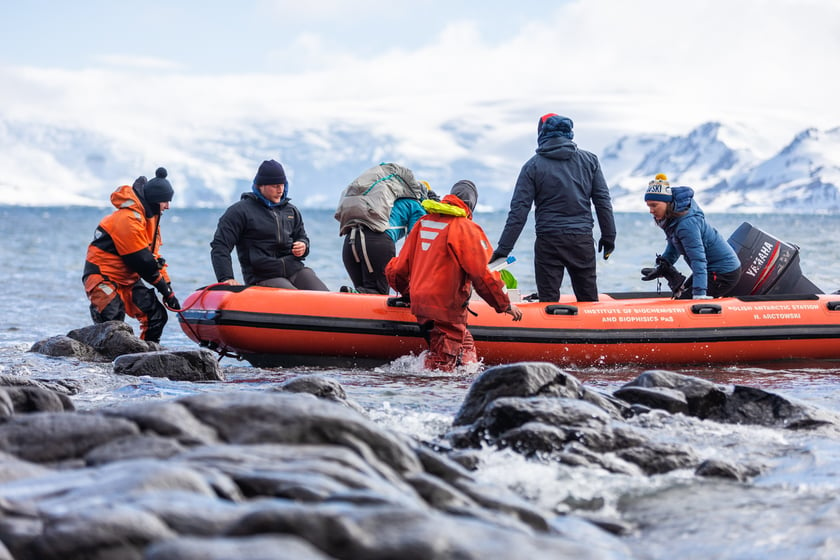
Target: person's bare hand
[298,248]
[515,312]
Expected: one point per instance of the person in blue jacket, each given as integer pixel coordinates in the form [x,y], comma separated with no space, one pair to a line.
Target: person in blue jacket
[715,266]
[563,183]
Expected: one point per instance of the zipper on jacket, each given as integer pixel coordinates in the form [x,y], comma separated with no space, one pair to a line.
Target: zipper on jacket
[278,222]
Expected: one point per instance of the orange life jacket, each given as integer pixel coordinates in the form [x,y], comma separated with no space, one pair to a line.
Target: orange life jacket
[125,232]
[443,257]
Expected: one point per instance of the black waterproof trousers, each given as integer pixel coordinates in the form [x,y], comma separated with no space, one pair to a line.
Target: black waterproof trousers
[554,254]
[365,254]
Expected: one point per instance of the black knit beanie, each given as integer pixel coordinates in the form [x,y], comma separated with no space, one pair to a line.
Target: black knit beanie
[270,173]
[158,189]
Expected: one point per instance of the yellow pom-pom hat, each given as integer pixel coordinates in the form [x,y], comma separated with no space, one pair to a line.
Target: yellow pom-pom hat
[659,189]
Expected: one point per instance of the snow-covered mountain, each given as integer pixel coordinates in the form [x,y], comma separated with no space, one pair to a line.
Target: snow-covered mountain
[729,167]
[58,165]
[726,168]
[805,176]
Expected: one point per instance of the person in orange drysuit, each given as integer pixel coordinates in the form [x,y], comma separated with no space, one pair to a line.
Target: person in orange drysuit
[124,252]
[443,258]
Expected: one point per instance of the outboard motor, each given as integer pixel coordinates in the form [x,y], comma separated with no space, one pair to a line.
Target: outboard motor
[768,266]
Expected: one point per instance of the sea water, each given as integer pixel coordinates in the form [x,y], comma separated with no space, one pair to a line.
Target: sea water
[791,510]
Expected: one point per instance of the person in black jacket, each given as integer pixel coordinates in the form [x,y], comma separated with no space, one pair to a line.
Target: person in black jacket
[563,183]
[268,233]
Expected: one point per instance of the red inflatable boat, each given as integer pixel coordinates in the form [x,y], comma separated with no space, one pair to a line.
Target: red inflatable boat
[780,316]
[277,327]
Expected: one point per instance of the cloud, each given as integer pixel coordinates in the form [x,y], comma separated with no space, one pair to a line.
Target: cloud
[127,62]
[645,66]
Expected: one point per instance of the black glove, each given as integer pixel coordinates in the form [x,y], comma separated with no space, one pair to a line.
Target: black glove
[607,247]
[432,195]
[163,287]
[172,302]
[656,272]
[650,274]
[496,255]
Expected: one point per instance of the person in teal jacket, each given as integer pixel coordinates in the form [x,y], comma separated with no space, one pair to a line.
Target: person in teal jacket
[714,264]
[366,252]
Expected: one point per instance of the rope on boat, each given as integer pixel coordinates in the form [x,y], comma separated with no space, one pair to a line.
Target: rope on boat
[221,351]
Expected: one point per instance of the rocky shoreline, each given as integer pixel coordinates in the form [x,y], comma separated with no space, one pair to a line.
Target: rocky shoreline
[299,470]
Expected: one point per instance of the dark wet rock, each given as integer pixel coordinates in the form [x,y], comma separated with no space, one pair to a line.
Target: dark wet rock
[657,458]
[722,469]
[567,423]
[50,437]
[179,365]
[260,547]
[438,494]
[109,532]
[7,406]
[319,386]
[68,387]
[609,524]
[663,398]
[412,534]
[576,433]
[701,396]
[112,339]
[246,417]
[467,458]
[735,404]
[577,455]
[530,379]
[20,395]
[195,513]
[166,418]
[63,346]
[462,494]
[577,417]
[749,405]
[333,472]
[35,399]
[133,447]
[498,504]
[95,343]
[442,466]
[515,380]
[256,470]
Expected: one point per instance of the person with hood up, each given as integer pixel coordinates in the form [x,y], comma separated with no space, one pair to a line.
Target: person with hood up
[269,235]
[562,182]
[444,257]
[715,267]
[124,253]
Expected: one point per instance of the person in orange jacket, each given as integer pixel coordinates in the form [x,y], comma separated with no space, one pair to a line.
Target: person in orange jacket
[124,252]
[443,258]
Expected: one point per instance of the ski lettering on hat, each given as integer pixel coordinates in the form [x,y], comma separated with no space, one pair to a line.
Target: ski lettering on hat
[659,189]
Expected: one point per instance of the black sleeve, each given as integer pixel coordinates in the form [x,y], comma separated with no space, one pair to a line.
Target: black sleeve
[143,262]
[227,234]
[299,233]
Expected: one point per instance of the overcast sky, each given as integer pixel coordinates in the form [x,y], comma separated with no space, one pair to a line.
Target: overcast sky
[611,65]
